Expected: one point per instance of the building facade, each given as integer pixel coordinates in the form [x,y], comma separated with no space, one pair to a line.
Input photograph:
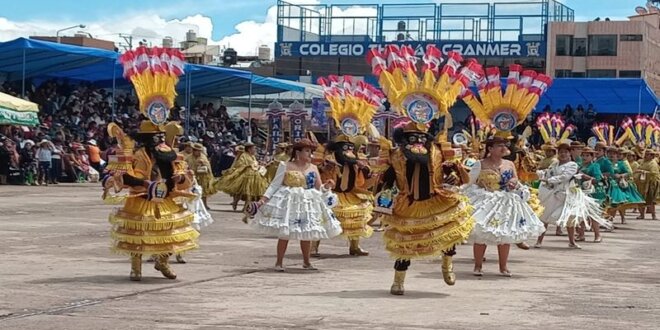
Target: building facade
[83,41]
[606,49]
[321,40]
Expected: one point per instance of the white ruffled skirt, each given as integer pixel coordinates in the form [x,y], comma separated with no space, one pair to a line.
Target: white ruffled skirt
[296,213]
[202,217]
[580,208]
[502,217]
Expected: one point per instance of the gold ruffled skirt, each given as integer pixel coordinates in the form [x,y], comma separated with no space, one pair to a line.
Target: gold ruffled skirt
[144,227]
[248,185]
[354,211]
[534,202]
[424,229]
[207,182]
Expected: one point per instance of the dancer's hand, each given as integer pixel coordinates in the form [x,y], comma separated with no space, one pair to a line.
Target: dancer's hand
[263,200]
[512,184]
[330,184]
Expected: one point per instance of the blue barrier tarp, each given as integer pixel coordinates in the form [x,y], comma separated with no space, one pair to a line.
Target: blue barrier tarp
[608,95]
[45,59]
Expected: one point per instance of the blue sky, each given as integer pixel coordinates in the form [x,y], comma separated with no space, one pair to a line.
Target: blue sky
[245,19]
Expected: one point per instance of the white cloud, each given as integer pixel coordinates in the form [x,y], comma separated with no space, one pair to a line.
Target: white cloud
[151,27]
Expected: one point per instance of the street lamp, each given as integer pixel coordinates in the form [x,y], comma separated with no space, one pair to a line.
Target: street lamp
[82,26]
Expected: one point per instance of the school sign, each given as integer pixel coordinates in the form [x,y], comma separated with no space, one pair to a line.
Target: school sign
[468,49]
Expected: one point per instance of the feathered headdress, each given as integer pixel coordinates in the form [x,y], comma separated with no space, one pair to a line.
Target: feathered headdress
[479,133]
[353,104]
[424,98]
[553,129]
[506,109]
[154,73]
[609,135]
[644,132]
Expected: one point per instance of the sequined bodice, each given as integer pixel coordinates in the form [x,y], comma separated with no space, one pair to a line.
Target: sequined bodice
[298,179]
[491,180]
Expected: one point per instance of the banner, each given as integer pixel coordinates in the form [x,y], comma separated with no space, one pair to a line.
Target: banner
[297,115]
[275,135]
[385,120]
[465,48]
[319,121]
[11,117]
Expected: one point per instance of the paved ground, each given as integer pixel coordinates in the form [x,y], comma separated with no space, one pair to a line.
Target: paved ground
[57,273]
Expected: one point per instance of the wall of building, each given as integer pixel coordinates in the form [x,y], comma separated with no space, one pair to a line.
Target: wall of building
[637,49]
[651,55]
[80,41]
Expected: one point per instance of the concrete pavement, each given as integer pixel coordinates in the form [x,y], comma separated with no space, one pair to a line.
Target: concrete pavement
[57,272]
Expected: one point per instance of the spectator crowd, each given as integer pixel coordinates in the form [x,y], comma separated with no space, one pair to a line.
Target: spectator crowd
[71,143]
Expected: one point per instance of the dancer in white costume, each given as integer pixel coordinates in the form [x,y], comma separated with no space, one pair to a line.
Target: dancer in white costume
[196,205]
[501,212]
[297,205]
[202,217]
[566,205]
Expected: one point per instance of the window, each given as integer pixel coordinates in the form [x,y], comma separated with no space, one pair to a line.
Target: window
[563,45]
[578,75]
[579,47]
[630,74]
[563,73]
[601,73]
[602,45]
[630,37]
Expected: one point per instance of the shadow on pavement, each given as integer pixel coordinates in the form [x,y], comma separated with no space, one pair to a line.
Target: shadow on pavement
[100,279]
[375,294]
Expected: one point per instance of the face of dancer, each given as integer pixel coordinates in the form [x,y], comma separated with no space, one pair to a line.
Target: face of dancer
[576,153]
[416,148]
[587,158]
[499,150]
[188,149]
[345,153]
[648,156]
[600,152]
[564,155]
[612,156]
[620,156]
[197,153]
[251,150]
[550,153]
[304,155]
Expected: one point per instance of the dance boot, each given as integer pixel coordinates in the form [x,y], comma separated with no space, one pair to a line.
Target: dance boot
[162,265]
[315,249]
[448,270]
[397,285]
[136,268]
[355,249]
[179,259]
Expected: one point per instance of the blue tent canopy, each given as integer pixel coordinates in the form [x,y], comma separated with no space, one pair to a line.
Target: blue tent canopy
[36,58]
[608,96]
[27,58]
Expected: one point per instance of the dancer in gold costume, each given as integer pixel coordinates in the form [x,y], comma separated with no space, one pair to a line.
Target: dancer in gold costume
[201,167]
[152,220]
[424,219]
[245,180]
[353,106]
[281,155]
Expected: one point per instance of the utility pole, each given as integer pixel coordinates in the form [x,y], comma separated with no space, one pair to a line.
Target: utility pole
[129,41]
